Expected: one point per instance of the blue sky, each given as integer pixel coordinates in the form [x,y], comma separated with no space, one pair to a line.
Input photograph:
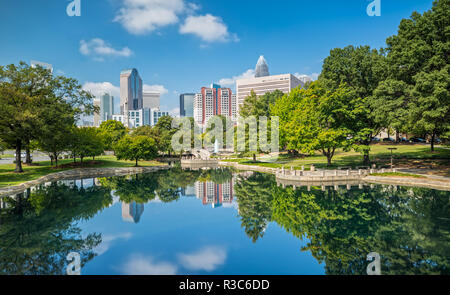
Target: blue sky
[180,45]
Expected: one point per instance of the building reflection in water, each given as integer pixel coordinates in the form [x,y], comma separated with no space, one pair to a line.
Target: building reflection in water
[213,193]
[132,212]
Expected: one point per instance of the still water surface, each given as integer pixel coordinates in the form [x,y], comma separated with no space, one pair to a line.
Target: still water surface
[222,222]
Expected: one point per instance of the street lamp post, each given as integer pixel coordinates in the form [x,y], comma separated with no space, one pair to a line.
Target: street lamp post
[392,157]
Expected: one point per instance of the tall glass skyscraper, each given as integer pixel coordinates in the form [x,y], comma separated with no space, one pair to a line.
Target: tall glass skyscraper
[106,107]
[130,91]
[187,105]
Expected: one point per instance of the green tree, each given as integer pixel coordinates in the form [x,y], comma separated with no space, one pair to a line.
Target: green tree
[390,105]
[55,135]
[164,133]
[258,106]
[417,56]
[86,142]
[318,119]
[26,95]
[136,148]
[362,69]
[111,131]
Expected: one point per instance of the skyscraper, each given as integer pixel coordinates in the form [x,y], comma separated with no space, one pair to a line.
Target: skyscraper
[131,96]
[214,101]
[106,107]
[151,100]
[187,105]
[262,69]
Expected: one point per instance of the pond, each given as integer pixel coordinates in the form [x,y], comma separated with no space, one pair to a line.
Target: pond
[222,222]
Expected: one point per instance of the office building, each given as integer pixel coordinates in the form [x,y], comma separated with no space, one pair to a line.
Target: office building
[263,82]
[151,100]
[262,85]
[106,107]
[155,115]
[187,105]
[212,102]
[141,117]
[130,91]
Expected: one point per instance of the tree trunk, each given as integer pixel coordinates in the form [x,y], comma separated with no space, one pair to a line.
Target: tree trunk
[433,137]
[28,158]
[136,163]
[81,159]
[366,159]
[18,157]
[329,157]
[56,160]
[74,158]
[254,157]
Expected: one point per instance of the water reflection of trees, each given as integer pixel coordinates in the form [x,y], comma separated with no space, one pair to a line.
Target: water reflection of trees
[167,185]
[409,227]
[38,229]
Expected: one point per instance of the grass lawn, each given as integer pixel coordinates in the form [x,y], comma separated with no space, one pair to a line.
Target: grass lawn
[9,178]
[379,154]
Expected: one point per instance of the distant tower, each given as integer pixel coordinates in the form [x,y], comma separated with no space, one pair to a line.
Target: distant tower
[262,69]
[130,90]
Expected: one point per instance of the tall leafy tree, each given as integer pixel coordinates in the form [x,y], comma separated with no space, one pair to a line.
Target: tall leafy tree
[258,106]
[362,69]
[418,56]
[318,119]
[26,95]
[164,134]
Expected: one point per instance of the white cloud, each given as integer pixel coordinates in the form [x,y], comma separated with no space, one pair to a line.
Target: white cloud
[208,27]
[250,73]
[155,88]
[144,16]
[208,259]
[141,265]
[99,49]
[100,88]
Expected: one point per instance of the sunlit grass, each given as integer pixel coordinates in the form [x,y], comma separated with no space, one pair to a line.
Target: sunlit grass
[379,154]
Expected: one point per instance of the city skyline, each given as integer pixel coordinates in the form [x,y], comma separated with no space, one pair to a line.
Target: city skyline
[94,47]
